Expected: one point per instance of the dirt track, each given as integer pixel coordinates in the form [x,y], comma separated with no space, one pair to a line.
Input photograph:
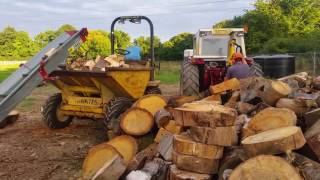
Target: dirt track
[29,150]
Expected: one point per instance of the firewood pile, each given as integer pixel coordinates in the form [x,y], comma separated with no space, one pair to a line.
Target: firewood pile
[98,64]
[251,129]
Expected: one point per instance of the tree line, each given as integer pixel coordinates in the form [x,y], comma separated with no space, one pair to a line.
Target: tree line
[16,45]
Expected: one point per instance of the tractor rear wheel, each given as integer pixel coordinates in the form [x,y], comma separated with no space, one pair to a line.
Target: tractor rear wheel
[51,114]
[152,90]
[255,70]
[189,79]
[114,109]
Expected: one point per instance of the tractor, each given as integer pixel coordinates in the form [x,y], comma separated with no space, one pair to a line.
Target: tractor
[101,95]
[206,64]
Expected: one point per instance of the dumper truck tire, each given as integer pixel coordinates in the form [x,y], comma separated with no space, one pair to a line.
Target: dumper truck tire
[256,70]
[51,115]
[152,90]
[114,109]
[189,79]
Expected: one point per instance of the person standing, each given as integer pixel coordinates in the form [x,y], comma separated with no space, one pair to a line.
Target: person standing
[240,69]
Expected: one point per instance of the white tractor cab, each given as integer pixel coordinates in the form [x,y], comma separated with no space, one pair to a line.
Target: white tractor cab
[206,64]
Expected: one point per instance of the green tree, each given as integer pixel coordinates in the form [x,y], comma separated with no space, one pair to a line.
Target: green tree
[122,40]
[173,49]
[144,44]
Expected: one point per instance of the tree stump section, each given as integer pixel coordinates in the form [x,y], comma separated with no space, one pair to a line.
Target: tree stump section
[219,136]
[273,91]
[151,103]
[136,121]
[274,141]
[195,164]
[127,146]
[313,138]
[96,158]
[269,118]
[184,145]
[265,167]
[178,174]
[111,170]
[200,114]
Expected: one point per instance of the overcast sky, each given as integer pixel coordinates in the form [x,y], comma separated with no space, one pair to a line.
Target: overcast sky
[170,17]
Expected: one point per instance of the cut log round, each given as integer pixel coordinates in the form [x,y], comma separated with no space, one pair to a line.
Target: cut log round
[274,141]
[195,164]
[219,136]
[299,106]
[271,118]
[136,121]
[313,138]
[126,145]
[205,115]
[97,157]
[265,167]
[111,170]
[185,145]
[178,174]
[162,117]
[273,91]
[151,103]
[231,84]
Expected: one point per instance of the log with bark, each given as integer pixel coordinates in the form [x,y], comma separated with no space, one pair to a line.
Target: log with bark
[250,88]
[162,117]
[178,174]
[111,170]
[231,84]
[312,117]
[275,141]
[146,154]
[272,91]
[301,78]
[219,136]
[161,133]
[308,168]
[185,145]
[195,164]
[269,118]
[151,103]
[214,99]
[245,108]
[313,138]
[265,167]
[299,106]
[178,101]
[232,102]
[205,115]
[127,146]
[165,147]
[97,157]
[136,121]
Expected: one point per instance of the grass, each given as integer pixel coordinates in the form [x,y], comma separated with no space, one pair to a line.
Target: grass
[169,72]
[6,70]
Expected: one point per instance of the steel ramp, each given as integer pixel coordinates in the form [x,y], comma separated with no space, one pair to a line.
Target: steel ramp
[24,80]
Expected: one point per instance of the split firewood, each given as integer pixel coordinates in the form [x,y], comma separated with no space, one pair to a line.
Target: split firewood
[173,127]
[201,114]
[301,77]
[136,121]
[269,118]
[146,154]
[232,102]
[308,168]
[265,167]
[111,170]
[178,101]
[162,117]
[244,108]
[165,147]
[112,62]
[161,133]
[150,169]
[313,138]
[214,99]
[151,103]
[195,164]
[185,145]
[299,106]
[231,84]
[127,146]
[178,174]
[274,141]
[233,156]
[89,64]
[219,136]
[97,157]
[272,91]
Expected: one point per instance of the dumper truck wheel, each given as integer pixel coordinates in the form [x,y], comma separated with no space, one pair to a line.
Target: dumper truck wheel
[114,109]
[189,79]
[255,70]
[152,90]
[52,115]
